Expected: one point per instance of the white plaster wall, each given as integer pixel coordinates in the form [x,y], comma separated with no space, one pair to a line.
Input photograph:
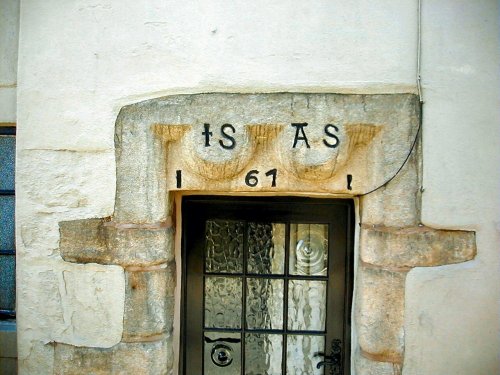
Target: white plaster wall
[9,35]
[452,312]
[81,61]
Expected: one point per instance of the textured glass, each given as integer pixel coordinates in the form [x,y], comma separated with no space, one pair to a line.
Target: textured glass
[264,304]
[306,305]
[266,248]
[308,249]
[7,239]
[223,300]
[263,354]
[7,282]
[301,350]
[7,162]
[222,353]
[224,246]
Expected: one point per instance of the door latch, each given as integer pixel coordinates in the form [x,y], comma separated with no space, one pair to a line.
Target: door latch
[334,360]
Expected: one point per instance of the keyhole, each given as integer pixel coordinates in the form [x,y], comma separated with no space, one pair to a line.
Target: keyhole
[221,355]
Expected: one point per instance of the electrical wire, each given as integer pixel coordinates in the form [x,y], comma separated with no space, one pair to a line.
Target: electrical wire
[420,98]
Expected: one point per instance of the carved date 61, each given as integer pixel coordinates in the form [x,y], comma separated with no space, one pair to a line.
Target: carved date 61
[252,180]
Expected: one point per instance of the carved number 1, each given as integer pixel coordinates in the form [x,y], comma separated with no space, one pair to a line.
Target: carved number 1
[252,180]
[272,172]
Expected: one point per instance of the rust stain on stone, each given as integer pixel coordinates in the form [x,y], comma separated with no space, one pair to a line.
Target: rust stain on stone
[361,134]
[170,132]
[385,356]
[262,134]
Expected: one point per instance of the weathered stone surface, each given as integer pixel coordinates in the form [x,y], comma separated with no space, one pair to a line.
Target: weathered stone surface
[365,366]
[55,186]
[415,246]
[82,303]
[149,302]
[141,192]
[380,312]
[154,358]
[399,202]
[157,138]
[100,241]
[84,241]
[34,356]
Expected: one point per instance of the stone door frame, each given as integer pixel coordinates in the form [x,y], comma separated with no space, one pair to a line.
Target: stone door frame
[141,235]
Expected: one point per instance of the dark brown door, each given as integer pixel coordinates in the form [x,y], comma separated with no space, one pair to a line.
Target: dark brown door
[267,285]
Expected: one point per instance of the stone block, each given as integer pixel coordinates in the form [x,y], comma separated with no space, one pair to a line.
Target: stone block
[140,246]
[141,193]
[65,183]
[145,358]
[148,302]
[104,242]
[418,246]
[84,241]
[365,366]
[399,202]
[380,312]
[34,356]
[82,304]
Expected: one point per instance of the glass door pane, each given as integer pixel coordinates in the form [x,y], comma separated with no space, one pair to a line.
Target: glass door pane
[260,291]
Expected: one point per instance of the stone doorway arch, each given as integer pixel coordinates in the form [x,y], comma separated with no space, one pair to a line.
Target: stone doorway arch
[330,145]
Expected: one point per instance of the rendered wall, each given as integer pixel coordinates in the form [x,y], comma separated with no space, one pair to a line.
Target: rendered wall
[452,324]
[9,36]
[80,62]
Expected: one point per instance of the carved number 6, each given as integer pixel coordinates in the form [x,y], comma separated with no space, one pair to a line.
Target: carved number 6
[252,180]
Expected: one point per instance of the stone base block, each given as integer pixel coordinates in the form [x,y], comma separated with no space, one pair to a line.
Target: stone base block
[145,358]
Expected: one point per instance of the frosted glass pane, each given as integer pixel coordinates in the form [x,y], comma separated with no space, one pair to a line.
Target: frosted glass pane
[7,282]
[308,249]
[263,354]
[266,248]
[306,305]
[224,246]
[223,301]
[222,353]
[7,162]
[7,238]
[264,303]
[301,350]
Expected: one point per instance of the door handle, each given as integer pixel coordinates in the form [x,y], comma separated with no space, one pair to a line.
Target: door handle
[334,360]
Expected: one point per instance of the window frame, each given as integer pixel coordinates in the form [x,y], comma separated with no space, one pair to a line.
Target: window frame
[6,314]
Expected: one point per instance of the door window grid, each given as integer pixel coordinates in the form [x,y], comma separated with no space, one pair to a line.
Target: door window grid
[7,238]
[287,276]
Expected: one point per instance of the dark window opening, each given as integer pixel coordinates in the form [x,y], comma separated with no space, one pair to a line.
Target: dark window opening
[7,232]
